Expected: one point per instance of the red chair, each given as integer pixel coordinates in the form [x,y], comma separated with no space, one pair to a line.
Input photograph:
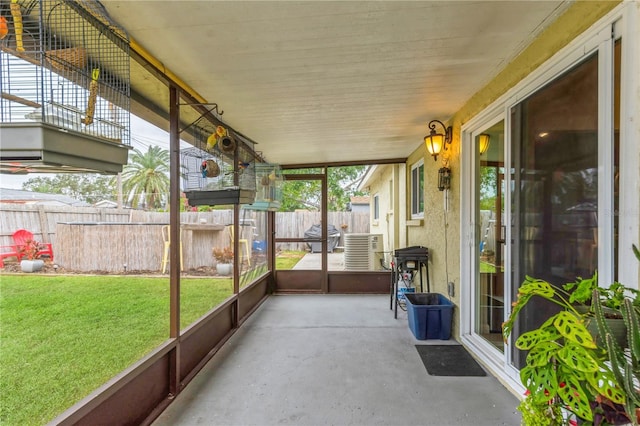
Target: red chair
[7,251]
[22,236]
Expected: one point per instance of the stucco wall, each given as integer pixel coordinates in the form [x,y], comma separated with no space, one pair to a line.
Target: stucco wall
[445,264]
[384,224]
[444,251]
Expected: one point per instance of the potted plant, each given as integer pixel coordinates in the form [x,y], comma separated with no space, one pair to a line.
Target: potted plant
[224,260]
[564,367]
[611,299]
[623,358]
[29,252]
[567,368]
[625,364]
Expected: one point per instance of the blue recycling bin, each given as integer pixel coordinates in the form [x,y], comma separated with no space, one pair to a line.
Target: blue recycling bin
[259,245]
[430,315]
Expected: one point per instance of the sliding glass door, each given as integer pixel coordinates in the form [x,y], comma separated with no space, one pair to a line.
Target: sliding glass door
[490,233]
[542,200]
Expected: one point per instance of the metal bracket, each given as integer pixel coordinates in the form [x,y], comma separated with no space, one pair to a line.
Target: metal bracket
[209,111]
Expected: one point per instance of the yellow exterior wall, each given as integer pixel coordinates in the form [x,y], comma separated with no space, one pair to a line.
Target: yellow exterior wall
[384,224]
[445,266]
[577,19]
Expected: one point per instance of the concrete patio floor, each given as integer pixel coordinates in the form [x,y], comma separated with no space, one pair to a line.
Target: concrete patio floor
[313,261]
[333,360]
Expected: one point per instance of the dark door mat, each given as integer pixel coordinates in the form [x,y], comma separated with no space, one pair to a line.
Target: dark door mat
[449,360]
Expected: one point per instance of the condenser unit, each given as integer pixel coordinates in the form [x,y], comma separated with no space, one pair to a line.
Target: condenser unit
[363,252]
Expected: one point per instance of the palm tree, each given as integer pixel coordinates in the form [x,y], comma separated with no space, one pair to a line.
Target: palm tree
[146,177]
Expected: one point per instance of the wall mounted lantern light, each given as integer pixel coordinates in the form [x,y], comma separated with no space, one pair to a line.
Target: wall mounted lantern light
[437,142]
[483,142]
[444,178]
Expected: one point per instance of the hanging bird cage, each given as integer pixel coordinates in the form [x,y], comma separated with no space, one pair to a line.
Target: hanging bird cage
[218,169]
[269,183]
[64,66]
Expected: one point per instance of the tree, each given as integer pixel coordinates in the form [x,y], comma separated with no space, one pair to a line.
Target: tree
[90,188]
[146,178]
[488,187]
[342,183]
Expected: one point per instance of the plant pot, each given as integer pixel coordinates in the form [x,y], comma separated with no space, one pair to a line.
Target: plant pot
[224,268]
[616,325]
[31,265]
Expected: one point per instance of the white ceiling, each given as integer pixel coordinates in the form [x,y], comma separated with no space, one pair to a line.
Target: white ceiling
[321,81]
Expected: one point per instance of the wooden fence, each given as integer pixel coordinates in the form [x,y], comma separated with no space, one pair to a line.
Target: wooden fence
[103,239]
[41,220]
[294,225]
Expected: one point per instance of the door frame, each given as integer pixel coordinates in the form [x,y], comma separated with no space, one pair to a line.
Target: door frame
[623,21]
[306,281]
[322,280]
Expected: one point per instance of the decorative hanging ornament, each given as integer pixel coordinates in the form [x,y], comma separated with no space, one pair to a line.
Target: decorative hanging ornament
[209,169]
[227,144]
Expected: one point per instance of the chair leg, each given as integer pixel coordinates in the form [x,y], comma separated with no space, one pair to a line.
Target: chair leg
[181,259]
[165,258]
[246,251]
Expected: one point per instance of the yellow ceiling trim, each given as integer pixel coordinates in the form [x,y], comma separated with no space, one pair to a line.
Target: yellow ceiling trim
[144,53]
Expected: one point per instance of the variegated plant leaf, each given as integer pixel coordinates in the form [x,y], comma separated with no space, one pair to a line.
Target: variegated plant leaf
[604,382]
[572,328]
[531,338]
[576,357]
[542,353]
[541,382]
[575,397]
[537,287]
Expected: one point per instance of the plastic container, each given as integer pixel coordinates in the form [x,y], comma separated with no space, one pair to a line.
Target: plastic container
[260,245]
[430,315]
[402,291]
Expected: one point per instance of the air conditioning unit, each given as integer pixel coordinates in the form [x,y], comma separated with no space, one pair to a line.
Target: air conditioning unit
[362,252]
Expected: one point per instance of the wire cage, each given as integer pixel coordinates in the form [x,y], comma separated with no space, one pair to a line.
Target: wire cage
[64,64]
[269,182]
[218,169]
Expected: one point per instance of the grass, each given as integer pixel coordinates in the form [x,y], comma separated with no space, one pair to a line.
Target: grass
[288,259]
[61,337]
[487,268]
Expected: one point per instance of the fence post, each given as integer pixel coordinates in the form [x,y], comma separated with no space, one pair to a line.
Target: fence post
[44,224]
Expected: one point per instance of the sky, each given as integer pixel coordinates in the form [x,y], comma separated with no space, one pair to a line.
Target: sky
[143,135]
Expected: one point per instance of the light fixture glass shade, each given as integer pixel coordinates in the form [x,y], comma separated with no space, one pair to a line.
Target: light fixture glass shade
[483,142]
[434,143]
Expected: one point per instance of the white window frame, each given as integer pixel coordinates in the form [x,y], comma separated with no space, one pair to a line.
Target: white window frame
[417,192]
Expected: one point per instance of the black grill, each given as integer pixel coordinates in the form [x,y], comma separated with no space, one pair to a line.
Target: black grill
[417,253]
[408,260]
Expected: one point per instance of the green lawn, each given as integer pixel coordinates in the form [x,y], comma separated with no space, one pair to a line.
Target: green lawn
[61,337]
[487,268]
[288,259]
